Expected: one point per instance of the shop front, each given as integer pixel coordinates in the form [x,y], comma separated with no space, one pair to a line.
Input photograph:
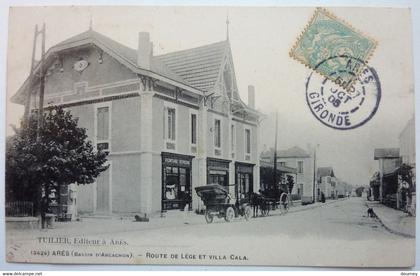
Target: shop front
[244,180]
[176,181]
[218,171]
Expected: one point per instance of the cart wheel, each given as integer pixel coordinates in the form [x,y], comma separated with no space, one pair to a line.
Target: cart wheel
[285,208]
[247,212]
[284,202]
[208,216]
[229,214]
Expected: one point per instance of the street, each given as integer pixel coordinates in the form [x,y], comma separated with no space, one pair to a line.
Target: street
[335,233]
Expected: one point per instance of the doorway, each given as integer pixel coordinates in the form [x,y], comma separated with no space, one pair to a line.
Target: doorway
[176,182]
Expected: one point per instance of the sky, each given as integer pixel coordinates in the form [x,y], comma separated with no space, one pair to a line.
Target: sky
[261,39]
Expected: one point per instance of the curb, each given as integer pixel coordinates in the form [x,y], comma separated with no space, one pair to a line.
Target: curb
[389,229]
[317,206]
[308,208]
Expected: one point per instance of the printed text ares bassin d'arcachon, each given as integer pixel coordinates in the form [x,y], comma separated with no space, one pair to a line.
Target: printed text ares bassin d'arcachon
[80,241]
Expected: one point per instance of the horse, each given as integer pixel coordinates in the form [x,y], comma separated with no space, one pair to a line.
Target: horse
[255,202]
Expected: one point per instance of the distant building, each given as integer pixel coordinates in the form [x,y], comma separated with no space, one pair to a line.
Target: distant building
[389,161]
[326,182]
[343,189]
[407,143]
[267,175]
[296,157]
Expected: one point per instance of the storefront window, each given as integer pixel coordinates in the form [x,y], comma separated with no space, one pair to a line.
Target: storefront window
[244,180]
[218,178]
[171,183]
[176,186]
[218,171]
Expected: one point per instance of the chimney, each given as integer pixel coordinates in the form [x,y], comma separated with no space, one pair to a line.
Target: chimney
[144,51]
[251,96]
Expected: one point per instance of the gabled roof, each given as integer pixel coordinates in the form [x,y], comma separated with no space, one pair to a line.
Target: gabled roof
[126,52]
[194,69]
[293,152]
[200,66]
[325,171]
[386,153]
[283,169]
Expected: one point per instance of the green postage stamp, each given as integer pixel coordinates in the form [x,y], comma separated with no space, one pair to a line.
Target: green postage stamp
[324,39]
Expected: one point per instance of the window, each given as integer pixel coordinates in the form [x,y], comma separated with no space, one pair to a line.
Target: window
[282,164]
[102,128]
[232,137]
[217,133]
[193,129]
[248,141]
[170,126]
[300,167]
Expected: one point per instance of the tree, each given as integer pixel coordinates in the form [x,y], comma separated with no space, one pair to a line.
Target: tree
[58,154]
[407,185]
[290,183]
[359,191]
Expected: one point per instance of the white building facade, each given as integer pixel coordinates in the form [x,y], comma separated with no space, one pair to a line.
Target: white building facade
[170,122]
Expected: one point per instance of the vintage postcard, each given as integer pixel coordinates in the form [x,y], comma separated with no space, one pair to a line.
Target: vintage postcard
[210,136]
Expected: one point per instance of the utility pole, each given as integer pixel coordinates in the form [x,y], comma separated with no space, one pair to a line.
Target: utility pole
[313,192]
[275,154]
[41,85]
[32,79]
[34,76]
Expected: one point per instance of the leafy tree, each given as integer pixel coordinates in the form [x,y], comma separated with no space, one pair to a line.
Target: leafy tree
[406,177]
[359,191]
[290,183]
[58,154]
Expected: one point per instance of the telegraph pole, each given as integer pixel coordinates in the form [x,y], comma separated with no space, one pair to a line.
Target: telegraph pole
[275,154]
[314,174]
[41,85]
[32,79]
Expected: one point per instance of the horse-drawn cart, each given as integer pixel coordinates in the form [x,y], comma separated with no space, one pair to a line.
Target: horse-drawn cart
[218,203]
[267,201]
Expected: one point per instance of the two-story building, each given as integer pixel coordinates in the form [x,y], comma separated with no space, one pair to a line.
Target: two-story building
[407,144]
[302,161]
[326,182]
[170,122]
[389,162]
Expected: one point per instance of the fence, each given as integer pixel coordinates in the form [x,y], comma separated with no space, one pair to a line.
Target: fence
[19,209]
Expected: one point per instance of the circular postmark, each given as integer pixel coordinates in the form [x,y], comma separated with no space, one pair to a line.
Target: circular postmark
[344,105]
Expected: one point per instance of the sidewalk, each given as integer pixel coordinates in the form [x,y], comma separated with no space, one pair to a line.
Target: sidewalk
[124,223]
[395,221]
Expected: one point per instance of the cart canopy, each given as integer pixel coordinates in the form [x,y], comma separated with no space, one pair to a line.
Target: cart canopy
[212,193]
